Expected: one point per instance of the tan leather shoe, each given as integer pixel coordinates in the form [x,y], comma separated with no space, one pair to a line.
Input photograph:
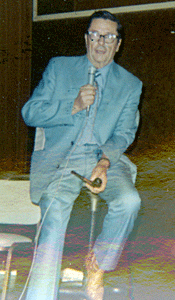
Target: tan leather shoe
[94,286]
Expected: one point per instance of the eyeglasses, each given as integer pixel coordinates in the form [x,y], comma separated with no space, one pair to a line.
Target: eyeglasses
[108,38]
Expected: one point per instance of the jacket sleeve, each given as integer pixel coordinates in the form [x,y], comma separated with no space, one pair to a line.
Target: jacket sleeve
[125,129]
[45,108]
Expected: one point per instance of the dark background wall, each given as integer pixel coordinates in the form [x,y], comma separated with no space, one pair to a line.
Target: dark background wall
[148,52]
[15,81]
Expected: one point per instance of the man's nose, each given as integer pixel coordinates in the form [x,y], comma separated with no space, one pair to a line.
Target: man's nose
[101,40]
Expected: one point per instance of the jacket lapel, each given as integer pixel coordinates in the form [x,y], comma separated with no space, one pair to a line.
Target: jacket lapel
[80,77]
[112,100]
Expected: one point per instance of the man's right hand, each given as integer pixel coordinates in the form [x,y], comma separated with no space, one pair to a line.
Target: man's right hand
[86,97]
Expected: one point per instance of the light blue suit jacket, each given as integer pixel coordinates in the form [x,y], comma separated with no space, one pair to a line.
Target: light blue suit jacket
[49,109]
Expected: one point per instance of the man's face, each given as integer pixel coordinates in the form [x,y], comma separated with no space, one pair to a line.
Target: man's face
[100,53]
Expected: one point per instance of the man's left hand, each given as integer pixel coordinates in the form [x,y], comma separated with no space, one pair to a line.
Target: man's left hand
[100,171]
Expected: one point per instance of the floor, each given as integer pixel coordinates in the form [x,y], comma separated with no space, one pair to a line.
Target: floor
[146,270]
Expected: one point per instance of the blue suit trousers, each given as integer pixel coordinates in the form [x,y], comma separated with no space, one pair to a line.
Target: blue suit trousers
[56,204]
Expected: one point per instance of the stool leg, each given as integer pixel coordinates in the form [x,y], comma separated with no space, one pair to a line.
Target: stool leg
[91,238]
[94,203]
[7,273]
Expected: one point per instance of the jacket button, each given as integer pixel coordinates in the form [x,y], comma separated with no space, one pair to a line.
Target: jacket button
[72,143]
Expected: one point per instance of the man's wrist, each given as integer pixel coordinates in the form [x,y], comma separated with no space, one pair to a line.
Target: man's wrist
[74,110]
[105,161]
[76,107]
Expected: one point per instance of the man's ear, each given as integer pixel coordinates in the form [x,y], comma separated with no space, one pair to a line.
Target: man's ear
[118,45]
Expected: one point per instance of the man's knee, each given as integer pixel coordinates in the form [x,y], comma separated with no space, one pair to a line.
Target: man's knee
[128,203]
[131,202]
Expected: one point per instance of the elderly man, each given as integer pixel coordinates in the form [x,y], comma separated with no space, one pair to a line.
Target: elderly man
[84,126]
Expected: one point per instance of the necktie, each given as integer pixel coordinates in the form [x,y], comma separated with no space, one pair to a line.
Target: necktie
[99,81]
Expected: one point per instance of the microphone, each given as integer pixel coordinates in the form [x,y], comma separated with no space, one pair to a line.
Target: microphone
[91,79]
